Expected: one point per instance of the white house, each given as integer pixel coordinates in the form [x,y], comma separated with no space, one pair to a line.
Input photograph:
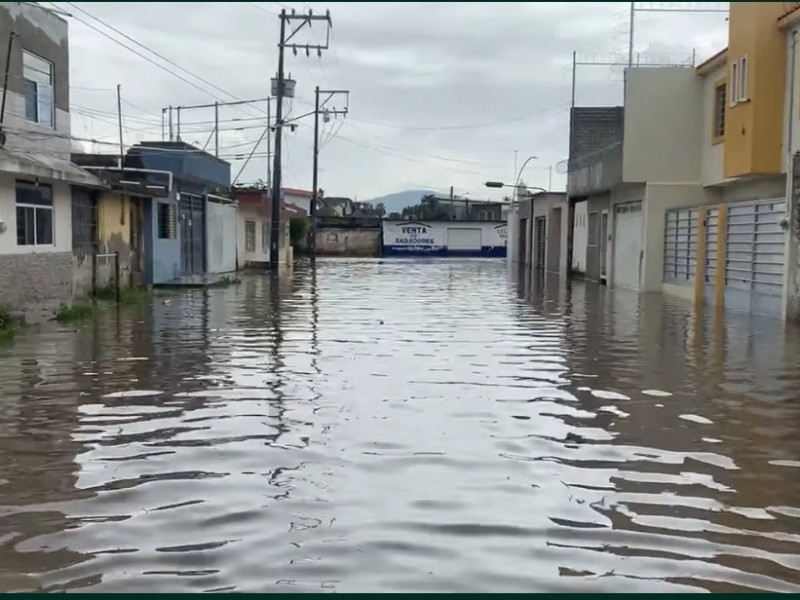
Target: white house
[36,232]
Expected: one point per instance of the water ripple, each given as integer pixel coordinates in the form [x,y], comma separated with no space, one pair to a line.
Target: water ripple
[401,426]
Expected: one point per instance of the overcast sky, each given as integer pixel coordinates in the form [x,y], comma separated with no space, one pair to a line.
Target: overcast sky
[441,93]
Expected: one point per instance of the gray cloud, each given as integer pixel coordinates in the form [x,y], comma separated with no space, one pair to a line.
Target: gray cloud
[442,93]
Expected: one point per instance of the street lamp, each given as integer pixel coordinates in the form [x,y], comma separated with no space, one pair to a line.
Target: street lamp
[499,185]
[516,186]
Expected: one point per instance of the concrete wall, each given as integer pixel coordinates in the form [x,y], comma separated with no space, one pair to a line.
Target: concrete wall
[338,241]
[222,224]
[45,34]
[580,236]
[663,124]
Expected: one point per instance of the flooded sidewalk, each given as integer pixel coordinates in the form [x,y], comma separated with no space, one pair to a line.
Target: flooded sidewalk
[402,426]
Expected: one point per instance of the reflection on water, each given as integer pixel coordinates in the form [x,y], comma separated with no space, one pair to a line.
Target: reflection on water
[402,426]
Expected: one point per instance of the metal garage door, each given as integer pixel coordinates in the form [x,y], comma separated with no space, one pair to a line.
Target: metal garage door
[627,244]
[755,256]
[460,239]
[680,246]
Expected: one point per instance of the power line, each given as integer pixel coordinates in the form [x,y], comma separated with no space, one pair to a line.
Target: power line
[140,55]
[151,51]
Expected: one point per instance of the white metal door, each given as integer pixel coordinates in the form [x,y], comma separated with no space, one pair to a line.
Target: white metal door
[627,244]
[462,238]
[754,258]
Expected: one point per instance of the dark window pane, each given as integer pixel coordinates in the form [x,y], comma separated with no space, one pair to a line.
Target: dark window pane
[25,227]
[31,102]
[44,226]
[37,195]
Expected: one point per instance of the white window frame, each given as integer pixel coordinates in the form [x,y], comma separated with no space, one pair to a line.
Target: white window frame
[264,236]
[36,208]
[43,90]
[738,88]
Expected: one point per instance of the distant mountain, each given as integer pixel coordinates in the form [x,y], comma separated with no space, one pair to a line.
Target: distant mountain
[400,200]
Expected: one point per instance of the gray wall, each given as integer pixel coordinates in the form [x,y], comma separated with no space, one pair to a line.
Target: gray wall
[596,136]
[45,34]
[595,128]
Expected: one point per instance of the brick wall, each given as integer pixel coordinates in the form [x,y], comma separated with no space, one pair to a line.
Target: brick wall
[595,128]
[34,285]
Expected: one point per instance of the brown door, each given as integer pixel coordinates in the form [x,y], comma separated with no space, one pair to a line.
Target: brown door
[137,242]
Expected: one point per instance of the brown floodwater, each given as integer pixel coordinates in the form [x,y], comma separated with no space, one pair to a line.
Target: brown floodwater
[402,426]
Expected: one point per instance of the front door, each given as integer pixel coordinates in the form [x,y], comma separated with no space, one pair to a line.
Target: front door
[627,244]
[137,242]
[192,218]
[604,246]
[541,242]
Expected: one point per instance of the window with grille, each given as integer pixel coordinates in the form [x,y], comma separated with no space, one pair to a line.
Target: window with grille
[166,221]
[720,104]
[264,236]
[249,236]
[84,221]
[35,219]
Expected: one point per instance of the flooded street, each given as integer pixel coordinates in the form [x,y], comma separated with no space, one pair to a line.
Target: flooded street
[401,426]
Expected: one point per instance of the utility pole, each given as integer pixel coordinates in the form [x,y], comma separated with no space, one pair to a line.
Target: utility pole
[119,117]
[216,129]
[280,92]
[318,109]
[170,124]
[269,146]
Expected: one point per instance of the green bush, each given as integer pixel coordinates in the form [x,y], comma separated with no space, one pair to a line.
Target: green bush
[6,325]
[298,228]
[76,312]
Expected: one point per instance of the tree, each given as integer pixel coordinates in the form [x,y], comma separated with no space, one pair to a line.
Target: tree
[380,210]
[326,211]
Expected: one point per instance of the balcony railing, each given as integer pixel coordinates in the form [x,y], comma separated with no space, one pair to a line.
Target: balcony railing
[595,172]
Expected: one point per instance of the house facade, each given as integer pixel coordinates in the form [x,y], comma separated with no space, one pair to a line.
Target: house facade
[697,202]
[191,231]
[36,174]
[253,228]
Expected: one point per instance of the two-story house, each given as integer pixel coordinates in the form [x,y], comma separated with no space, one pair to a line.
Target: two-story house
[35,168]
[697,194]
